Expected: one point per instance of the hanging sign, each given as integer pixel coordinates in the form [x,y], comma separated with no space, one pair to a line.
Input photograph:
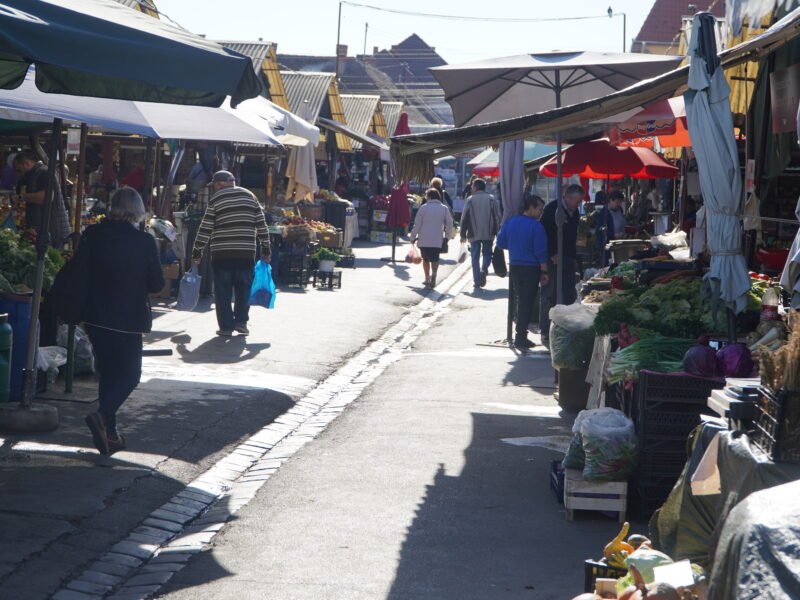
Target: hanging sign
[73,141]
[750,176]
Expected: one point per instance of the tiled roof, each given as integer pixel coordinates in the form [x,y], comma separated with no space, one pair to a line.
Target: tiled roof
[664,22]
[391,114]
[264,57]
[148,7]
[306,92]
[359,111]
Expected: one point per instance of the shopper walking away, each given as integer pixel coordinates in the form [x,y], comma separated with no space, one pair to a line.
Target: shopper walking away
[573,196]
[526,242]
[438,185]
[124,267]
[433,226]
[610,225]
[233,223]
[480,222]
[31,187]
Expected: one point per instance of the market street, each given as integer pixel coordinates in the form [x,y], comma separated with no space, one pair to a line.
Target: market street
[480,513]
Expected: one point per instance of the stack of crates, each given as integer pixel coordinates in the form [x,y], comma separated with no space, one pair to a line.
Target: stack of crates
[294,269]
[665,409]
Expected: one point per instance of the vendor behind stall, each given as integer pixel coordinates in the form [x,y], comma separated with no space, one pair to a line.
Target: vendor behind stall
[31,188]
[610,224]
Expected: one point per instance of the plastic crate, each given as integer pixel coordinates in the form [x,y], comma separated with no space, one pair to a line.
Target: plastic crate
[647,498]
[770,427]
[594,570]
[557,480]
[662,464]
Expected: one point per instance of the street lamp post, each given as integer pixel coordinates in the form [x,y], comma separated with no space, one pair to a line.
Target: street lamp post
[612,14]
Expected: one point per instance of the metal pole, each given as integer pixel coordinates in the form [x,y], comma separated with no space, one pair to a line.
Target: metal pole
[338,38]
[366,29]
[624,31]
[80,180]
[147,190]
[42,244]
[560,216]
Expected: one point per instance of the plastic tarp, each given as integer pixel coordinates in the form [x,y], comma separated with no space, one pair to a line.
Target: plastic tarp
[711,129]
[688,526]
[249,123]
[102,48]
[758,554]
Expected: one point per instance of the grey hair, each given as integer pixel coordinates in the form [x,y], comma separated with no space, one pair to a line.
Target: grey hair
[127,205]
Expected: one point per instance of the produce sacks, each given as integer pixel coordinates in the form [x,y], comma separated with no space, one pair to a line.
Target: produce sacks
[189,290]
[499,262]
[262,292]
[572,335]
[83,359]
[576,457]
[610,445]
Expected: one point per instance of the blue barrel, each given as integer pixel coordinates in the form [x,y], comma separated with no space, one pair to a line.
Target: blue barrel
[18,309]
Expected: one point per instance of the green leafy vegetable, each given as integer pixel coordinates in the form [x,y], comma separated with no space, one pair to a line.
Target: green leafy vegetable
[660,354]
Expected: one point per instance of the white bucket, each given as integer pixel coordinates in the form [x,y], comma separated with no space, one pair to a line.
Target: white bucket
[326,266]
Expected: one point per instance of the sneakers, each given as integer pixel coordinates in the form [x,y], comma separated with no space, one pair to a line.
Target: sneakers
[242,329]
[224,333]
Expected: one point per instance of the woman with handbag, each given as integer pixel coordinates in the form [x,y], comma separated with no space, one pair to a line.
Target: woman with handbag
[433,226]
[123,267]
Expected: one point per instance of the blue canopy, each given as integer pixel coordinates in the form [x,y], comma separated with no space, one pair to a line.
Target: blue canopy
[103,49]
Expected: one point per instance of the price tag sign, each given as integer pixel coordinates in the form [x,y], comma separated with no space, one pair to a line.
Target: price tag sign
[73,141]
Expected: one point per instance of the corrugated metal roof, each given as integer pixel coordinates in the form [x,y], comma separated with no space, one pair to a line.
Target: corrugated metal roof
[391,114]
[359,111]
[148,7]
[257,51]
[306,92]
[264,56]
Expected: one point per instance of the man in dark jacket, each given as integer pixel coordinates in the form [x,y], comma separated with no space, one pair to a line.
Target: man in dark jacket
[31,187]
[573,196]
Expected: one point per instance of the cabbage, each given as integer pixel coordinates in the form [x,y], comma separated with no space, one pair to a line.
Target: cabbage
[701,360]
[735,360]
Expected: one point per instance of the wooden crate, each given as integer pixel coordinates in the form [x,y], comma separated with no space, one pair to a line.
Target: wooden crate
[609,496]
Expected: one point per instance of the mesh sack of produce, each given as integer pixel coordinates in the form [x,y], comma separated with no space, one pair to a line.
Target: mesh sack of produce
[610,445]
[575,457]
[572,335]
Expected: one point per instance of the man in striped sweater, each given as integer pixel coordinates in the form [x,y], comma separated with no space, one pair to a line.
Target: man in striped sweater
[233,222]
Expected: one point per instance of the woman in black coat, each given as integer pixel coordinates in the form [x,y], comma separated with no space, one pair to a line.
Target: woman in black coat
[124,267]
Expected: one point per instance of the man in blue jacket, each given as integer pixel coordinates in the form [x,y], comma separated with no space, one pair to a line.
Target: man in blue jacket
[526,242]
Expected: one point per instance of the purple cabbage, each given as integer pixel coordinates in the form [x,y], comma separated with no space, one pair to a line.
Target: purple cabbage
[701,360]
[735,360]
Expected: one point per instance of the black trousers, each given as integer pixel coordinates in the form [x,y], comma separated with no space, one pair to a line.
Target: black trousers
[526,285]
[232,284]
[119,362]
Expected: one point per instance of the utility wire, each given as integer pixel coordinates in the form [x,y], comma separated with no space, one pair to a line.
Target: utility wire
[412,13]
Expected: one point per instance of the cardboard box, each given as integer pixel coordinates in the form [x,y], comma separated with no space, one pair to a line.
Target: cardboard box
[383,237]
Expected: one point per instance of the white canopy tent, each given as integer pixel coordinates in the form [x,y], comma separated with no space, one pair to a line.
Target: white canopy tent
[256,121]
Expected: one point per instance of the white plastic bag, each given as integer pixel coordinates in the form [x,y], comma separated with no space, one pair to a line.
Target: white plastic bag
[610,445]
[189,290]
[670,241]
[49,359]
[84,353]
[572,335]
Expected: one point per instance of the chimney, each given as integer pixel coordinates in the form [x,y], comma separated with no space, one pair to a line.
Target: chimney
[260,39]
[374,50]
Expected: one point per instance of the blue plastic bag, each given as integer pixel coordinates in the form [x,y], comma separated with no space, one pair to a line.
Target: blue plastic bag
[189,290]
[262,292]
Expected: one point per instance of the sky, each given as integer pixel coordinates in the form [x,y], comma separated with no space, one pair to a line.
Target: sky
[309,26]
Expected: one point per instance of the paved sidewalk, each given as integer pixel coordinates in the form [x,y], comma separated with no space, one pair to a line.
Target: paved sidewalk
[432,485]
[62,505]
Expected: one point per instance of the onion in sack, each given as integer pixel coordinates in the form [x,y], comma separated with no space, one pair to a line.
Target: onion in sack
[701,359]
[735,360]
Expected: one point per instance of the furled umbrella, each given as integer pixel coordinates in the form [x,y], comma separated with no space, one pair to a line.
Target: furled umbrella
[504,88]
[399,215]
[99,48]
[711,130]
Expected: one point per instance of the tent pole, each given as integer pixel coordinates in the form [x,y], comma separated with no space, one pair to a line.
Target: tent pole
[80,180]
[42,244]
[560,216]
[148,171]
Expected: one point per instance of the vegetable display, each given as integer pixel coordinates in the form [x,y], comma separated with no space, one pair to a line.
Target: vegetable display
[701,359]
[18,262]
[571,335]
[610,444]
[660,354]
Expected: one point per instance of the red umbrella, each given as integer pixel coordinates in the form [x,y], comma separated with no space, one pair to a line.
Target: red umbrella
[598,159]
[665,119]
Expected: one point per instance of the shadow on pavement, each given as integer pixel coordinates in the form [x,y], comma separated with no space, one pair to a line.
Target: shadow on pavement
[218,350]
[495,530]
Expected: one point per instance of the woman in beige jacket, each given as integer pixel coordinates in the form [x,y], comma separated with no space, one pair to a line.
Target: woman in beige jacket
[433,225]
